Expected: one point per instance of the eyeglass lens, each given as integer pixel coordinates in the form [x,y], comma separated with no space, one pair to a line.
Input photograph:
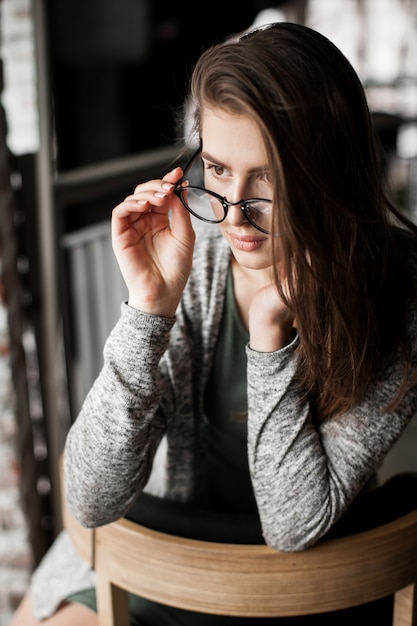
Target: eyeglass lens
[203,205]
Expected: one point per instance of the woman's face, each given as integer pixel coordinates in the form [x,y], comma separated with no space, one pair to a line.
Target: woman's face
[236,166]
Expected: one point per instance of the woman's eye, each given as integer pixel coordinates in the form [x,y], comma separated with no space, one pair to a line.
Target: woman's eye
[215,170]
[266,177]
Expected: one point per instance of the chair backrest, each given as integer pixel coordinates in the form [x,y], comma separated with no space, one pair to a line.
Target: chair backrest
[249,580]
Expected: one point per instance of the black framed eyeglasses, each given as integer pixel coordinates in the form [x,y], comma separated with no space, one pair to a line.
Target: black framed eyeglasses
[211,207]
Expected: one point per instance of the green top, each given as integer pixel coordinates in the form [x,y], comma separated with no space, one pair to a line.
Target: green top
[230,486]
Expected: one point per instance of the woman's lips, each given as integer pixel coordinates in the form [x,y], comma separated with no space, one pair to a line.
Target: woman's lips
[246,243]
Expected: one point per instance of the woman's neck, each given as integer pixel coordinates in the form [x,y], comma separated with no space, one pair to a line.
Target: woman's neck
[246,283]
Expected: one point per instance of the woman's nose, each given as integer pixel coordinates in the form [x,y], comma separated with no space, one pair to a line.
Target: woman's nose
[235,194]
[235,215]
[237,190]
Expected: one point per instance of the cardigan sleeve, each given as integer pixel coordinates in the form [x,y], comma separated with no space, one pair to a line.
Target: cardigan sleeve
[152,383]
[305,477]
[110,447]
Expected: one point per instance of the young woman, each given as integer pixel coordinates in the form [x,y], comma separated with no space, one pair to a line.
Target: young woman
[266,366]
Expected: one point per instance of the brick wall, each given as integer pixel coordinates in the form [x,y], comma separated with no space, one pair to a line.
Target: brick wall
[15,552]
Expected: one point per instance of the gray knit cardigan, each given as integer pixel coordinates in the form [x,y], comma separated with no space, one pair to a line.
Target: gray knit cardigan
[143,425]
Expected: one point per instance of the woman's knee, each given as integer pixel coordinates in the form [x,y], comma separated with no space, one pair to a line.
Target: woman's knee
[68,614]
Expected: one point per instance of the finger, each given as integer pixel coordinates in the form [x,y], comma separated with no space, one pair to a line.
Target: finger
[172,177]
[181,227]
[155,192]
[149,189]
[156,199]
[152,196]
[128,207]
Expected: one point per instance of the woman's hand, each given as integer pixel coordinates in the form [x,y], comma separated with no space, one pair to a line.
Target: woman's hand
[271,323]
[154,255]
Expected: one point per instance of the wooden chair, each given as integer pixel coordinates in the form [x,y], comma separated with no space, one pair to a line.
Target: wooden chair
[249,580]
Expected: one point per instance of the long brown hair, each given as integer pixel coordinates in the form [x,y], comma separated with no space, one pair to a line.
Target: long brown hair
[348,265]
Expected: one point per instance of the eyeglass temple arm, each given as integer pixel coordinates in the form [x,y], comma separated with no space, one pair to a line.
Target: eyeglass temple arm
[191,161]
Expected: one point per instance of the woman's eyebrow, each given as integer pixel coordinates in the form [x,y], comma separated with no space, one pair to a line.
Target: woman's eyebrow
[262,169]
[207,157]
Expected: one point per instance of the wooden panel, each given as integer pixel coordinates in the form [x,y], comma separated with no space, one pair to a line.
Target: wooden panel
[257,580]
[248,580]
